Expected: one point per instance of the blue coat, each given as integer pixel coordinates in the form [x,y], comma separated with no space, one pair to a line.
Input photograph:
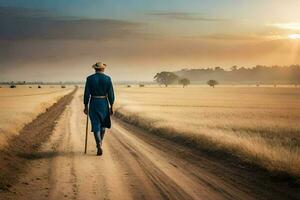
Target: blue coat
[99,84]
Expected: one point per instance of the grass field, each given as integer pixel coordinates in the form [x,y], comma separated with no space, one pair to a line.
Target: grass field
[260,125]
[21,105]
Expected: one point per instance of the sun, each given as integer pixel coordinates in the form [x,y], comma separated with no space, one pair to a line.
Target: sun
[294,36]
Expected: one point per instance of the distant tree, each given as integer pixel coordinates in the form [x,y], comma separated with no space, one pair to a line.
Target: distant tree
[234,68]
[184,82]
[212,83]
[165,78]
[220,69]
[141,85]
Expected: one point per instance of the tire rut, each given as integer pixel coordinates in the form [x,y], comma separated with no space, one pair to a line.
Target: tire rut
[166,187]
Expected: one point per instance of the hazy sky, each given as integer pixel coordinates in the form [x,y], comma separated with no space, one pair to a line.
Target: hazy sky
[61,39]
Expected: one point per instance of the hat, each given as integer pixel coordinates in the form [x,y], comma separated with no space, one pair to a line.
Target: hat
[99,65]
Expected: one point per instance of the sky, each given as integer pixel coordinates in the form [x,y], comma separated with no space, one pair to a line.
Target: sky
[59,40]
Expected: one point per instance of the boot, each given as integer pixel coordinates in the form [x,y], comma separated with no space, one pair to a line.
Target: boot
[99,150]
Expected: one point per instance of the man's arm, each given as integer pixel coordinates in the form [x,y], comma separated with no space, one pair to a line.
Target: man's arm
[111,96]
[86,96]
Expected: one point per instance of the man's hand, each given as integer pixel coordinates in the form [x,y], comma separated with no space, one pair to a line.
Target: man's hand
[85,110]
[111,111]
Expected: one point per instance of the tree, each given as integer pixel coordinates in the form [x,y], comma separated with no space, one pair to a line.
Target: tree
[212,83]
[165,78]
[234,68]
[219,69]
[184,82]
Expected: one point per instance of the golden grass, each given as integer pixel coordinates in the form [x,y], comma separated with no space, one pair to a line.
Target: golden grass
[21,105]
[260,125]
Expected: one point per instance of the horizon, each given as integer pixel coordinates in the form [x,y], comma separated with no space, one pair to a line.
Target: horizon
[58,40]
[288,76]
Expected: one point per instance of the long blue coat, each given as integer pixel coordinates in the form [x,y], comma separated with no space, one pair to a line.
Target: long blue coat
[99,84]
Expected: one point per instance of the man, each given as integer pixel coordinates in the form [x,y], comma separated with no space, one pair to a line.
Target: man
[98,101]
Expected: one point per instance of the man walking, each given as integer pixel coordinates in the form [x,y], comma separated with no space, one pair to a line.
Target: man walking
[98,101]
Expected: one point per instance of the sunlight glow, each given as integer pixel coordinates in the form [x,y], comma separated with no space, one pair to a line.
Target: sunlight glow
[294,36]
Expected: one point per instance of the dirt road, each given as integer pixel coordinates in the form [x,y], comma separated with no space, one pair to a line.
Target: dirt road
[135,165]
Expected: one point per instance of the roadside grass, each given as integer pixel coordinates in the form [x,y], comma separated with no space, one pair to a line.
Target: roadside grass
[23,146]
[21,105]
[258,125]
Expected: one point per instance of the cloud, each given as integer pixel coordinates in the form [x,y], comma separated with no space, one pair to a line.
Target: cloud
[52,59]
[288,26]
[22,12]
[37,45]
[244,37]
[231,37]
[184,16]
[20,23]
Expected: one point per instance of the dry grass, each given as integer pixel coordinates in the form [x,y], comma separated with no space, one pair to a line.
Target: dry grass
[260,125]
[21,105]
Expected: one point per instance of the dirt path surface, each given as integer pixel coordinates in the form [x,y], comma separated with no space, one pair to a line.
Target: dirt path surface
[135,165]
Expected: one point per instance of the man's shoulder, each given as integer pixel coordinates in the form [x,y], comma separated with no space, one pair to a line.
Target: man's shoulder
[90,76]
[106,76]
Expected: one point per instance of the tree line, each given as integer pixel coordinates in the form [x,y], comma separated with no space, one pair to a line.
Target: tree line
[167,78]
[241,75]
[14,84]
[254,75]
[39,83]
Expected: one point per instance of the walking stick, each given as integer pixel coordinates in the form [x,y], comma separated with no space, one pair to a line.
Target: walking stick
[86,130]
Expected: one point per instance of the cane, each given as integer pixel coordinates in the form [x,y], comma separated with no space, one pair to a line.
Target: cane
[86,130]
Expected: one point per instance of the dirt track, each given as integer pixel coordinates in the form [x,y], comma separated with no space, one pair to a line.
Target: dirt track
[135,165]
